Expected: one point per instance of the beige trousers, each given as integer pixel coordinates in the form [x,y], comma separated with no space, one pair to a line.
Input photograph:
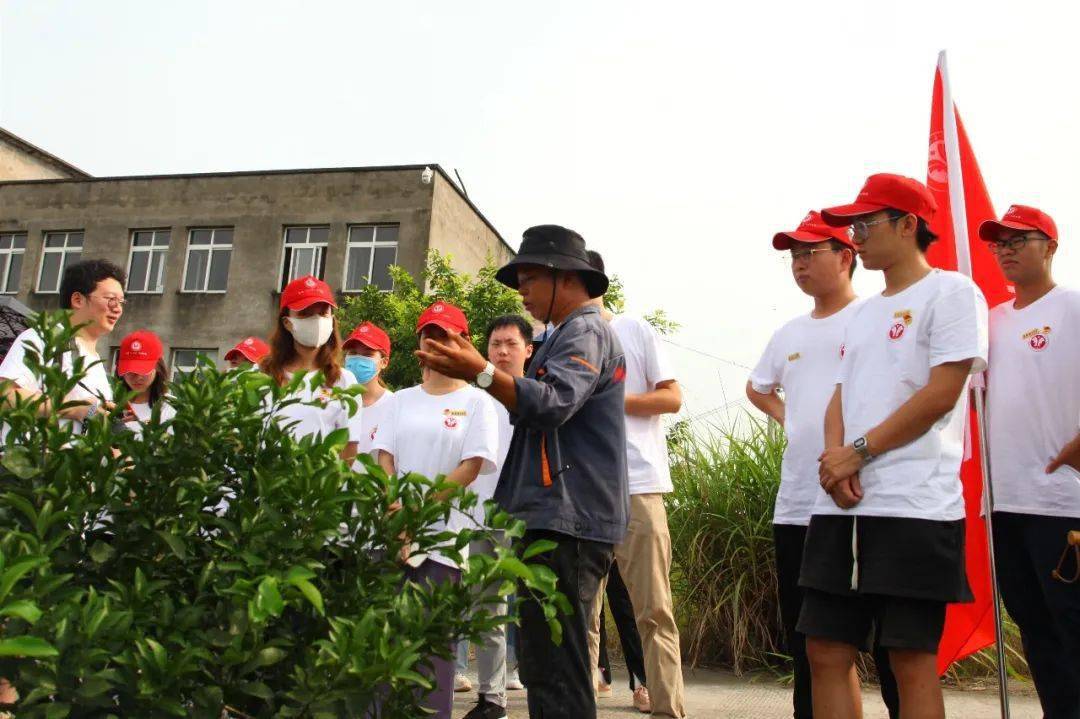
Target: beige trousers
[644,559]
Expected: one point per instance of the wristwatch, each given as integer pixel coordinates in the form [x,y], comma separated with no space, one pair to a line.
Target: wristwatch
[485,378]
[861,449]
[92,410]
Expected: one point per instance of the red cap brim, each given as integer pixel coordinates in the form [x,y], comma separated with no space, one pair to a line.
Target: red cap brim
[991,229]
[845,214]
[783,240]
[448,326]
[367,343]
[231,354]
[303,304]
[137,366]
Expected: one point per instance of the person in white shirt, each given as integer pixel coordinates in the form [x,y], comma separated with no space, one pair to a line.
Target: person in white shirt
[509,347]
[443,427]
[305,340]
[367,354]
[1033,414]
[644,555]
[801,360]
[884,551]
[140,365]
[94,292]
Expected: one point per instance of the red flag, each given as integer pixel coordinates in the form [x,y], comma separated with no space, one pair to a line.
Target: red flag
[953,177]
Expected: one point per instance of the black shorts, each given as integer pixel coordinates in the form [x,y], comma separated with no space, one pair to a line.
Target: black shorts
[898,622]
[897,557]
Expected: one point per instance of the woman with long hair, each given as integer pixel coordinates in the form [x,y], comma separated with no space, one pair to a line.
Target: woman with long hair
[367,354]
[305,339]
[140,364]
[442,427]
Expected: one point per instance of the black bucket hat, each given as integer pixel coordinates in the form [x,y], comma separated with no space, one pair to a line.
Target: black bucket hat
[556,248]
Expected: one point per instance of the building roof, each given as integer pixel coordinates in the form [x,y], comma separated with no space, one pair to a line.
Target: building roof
[46,157]
[247,173]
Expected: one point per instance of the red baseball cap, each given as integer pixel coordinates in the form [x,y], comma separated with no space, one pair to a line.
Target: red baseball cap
[811,229]
[371,336]
[139,353]
[445,315]
[1019,218]
[303,292]
[251,348]
[881,192]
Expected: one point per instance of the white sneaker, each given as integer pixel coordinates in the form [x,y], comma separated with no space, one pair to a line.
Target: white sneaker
[513,681]
[462,683]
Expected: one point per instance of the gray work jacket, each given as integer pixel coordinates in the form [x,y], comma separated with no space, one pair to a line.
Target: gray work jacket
[566,467]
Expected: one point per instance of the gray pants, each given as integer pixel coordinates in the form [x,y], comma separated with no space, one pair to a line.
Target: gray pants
[491,652]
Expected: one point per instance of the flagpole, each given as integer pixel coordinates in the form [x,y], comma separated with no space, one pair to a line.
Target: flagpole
[961,239]
[978,391]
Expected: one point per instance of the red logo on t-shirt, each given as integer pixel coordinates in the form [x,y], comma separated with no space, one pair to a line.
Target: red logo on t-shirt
[373,431]
[1038,342]
[450,422]
[896,331]
[843,348]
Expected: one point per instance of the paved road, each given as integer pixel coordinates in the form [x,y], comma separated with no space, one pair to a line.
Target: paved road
[711,695]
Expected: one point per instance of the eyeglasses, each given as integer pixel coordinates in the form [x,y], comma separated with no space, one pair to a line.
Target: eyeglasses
[1012,244]
[113,302]
[808,254]
[860,229]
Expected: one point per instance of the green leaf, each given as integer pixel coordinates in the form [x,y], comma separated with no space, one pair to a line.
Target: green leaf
[21,461]
[517,568]
[257,689]
[269,597]
[311,593]
[269,655]
[27,647]
[175,544]
[23,609]
[101,552]
[15,572]
[538,547]
[57,711]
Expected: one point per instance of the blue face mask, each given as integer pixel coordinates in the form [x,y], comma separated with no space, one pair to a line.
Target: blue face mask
[363,368]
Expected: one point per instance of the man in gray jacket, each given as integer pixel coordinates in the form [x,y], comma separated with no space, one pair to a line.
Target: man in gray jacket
[565,473]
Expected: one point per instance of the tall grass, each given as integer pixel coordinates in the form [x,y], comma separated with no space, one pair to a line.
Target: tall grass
[723,567]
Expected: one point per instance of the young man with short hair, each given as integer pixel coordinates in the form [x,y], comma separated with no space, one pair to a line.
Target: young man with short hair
[802,360]
[509,346]
[884,551]
[565,473]
[1033,413]
[94,292]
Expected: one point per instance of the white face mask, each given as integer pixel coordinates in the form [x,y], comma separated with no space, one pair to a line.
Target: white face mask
[311,331]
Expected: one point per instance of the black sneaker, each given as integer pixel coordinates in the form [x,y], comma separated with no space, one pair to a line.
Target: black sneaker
[486,710]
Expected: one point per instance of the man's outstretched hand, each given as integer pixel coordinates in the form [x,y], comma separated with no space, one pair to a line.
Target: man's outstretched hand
[454,357]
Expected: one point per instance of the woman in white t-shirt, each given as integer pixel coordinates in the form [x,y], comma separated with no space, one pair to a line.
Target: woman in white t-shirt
[443,427]
[141,367]
[305,339]
[367,354]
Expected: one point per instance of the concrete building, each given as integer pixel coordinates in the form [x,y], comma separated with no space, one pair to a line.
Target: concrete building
[208,254]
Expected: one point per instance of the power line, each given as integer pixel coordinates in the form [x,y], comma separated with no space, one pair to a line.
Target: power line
[708,354]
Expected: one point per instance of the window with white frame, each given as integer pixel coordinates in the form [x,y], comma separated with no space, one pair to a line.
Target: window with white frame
[60,250]
[305,253]
[12,250]
[146,264]
[186,360]
[372,250]
[206,267]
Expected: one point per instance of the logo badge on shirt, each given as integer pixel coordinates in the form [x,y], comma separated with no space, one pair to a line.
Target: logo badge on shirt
[1038,339]
[896,331]
[450,422]
[450,417]
[902,322]
[794,356]
[843,349]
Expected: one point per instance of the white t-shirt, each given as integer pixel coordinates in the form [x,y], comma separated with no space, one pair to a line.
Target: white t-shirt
[373,414]
[143,412]
[432,434]
[1033,403]
[327,415]
[485,483]
[890,346]
[647,365]
[803,358]
[94,384]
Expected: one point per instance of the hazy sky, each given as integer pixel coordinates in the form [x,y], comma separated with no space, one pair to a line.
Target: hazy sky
[676,137]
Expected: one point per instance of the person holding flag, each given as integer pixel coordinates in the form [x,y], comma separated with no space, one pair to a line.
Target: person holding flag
[802,359]
[884,550]
[1033,413]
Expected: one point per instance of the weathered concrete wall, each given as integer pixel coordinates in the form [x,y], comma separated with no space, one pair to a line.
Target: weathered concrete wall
[459,231]
[17,164]
[257,206]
